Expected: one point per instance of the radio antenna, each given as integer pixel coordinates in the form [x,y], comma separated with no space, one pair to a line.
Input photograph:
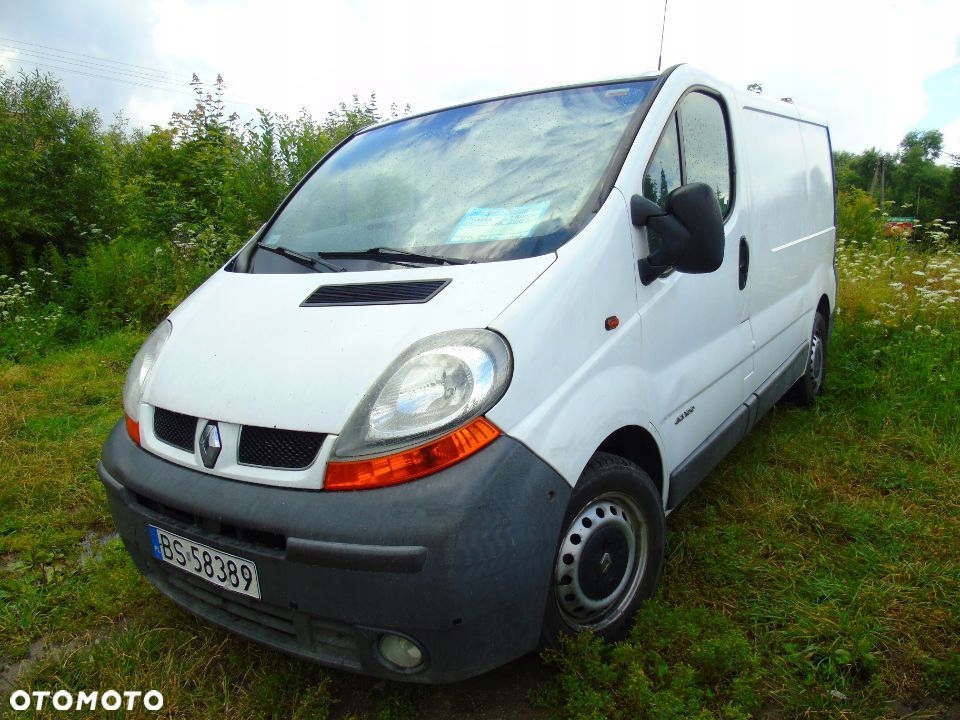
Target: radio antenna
[663,28]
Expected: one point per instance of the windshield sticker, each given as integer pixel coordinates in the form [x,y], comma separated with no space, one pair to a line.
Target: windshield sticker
[485,224]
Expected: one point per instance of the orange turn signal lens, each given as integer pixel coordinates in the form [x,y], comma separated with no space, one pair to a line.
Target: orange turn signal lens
[133,429]
[414,463]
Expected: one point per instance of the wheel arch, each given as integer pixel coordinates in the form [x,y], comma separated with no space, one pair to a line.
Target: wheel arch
[637,445]
[823,307]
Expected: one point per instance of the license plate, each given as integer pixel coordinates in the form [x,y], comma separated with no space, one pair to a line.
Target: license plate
[215,566]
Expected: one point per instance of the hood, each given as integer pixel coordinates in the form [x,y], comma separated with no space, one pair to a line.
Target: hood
[244,350]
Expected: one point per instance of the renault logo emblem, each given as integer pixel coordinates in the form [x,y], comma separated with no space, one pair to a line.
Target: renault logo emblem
[606,562]
[210,444]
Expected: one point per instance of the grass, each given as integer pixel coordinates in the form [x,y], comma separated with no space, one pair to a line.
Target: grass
[815,574]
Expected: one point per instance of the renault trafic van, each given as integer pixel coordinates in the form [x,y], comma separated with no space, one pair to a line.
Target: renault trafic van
[433,415]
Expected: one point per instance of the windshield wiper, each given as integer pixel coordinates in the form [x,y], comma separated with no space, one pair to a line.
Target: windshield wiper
[315,263]
[385,252]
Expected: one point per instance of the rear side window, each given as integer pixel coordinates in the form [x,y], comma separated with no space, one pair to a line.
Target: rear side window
[693,148]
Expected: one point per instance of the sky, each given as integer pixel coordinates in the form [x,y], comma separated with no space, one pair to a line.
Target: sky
[876,69]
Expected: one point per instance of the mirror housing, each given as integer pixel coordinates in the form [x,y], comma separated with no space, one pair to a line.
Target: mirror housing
[691,228]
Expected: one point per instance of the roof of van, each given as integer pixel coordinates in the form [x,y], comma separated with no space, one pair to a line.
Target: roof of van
[472,100]
[682,72]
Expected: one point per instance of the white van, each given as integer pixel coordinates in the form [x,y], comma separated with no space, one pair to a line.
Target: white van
[434,414]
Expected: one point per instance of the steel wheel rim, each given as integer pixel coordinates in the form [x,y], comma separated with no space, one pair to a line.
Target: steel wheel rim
[601,562]
[816,362]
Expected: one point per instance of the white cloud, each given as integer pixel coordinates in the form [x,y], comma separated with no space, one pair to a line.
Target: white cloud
[146,111]
[8,59]
[280,55]
[859,62]
[951,137]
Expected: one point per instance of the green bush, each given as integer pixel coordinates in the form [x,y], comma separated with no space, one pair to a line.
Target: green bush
[105,230]
[55,175]
[28,315]
[858,218]
[107,287]
[126,282]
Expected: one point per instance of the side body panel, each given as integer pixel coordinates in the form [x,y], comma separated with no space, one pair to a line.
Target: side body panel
[575,382]
[791,189]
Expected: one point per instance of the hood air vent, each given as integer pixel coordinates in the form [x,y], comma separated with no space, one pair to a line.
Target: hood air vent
[387,293]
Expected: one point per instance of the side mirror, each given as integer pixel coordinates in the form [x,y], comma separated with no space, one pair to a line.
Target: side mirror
[691,228]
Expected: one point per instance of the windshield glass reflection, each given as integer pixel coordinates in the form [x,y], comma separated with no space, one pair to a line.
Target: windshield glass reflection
[496,180]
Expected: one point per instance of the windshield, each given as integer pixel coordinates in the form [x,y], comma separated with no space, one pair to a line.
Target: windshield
[502,179]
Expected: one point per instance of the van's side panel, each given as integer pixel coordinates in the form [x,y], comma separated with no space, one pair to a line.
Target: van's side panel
[792,229]
[574,381]
[820,192]
[821,206]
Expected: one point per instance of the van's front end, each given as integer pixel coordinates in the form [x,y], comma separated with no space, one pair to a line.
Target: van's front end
[311,455]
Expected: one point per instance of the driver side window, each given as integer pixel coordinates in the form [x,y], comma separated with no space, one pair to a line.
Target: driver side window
[662,175]
[692,148]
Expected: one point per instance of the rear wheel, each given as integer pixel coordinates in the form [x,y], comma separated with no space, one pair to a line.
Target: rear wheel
[814,375]
[610,554]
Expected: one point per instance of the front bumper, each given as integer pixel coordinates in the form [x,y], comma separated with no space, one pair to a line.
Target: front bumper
[459,561]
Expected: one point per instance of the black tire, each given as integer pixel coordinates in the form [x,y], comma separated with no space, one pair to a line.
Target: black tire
[610,553]
[814,376]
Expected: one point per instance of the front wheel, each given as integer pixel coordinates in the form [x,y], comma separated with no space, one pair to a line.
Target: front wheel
[610,554]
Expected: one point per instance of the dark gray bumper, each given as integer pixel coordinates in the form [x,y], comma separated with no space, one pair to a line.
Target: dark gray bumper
[459,561]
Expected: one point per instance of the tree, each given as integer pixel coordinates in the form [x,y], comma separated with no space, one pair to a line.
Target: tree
[861,170]
[927,144]
[951,205]
[909,182]
[54,174]
[277,151]
[916,180]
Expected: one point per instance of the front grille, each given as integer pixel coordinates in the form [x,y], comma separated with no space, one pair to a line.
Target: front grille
[261,539]
[258,446]
[174,428]
[273,448]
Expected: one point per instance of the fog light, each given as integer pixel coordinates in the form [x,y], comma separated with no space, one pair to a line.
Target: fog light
[400,651]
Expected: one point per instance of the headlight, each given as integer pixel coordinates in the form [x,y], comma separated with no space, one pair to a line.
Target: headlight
[437,385]
[140,368]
